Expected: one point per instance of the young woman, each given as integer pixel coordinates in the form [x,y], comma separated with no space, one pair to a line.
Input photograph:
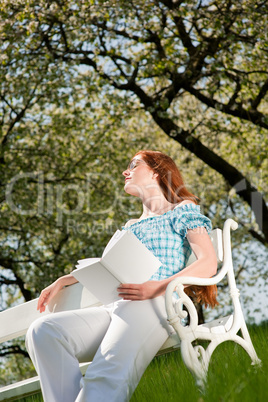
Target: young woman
[123,337]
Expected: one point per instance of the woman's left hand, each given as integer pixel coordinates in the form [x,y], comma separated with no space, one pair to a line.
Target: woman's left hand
[143,291]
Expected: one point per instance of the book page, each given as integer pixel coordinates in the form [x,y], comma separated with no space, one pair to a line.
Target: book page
[114,239]
[99,281]
[129,260]
[86,262]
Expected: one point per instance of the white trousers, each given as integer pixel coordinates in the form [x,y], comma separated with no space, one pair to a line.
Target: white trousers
[121,338]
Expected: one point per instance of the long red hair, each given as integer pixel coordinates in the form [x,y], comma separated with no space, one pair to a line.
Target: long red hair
[169,177]
[171,182]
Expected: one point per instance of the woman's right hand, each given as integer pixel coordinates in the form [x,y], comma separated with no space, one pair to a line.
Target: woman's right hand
[50,291]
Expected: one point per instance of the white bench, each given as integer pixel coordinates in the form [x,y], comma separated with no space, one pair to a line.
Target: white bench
[15,321]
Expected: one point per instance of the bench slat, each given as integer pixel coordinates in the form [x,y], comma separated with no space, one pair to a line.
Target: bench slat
[16,320]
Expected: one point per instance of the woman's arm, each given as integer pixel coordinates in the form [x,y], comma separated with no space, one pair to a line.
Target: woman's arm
[49,292]
[205,266]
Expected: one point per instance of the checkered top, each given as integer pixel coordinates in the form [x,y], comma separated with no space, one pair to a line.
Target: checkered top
[165,237]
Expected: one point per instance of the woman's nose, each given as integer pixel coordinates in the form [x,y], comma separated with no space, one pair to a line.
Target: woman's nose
[125,172]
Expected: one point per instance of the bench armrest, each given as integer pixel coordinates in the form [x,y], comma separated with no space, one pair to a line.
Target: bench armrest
[175,310]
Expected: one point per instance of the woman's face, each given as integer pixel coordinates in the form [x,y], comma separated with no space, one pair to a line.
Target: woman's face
[139,177]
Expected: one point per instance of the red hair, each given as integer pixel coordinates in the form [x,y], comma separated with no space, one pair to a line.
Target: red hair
[171,182]
[169,177]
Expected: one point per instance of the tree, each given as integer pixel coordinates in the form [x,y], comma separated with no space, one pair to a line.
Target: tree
[85,84]
[157,52]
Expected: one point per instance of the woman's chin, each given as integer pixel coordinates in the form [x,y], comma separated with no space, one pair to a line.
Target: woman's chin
[131,190]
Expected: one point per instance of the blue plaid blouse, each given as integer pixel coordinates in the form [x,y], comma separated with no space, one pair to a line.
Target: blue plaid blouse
[165,237]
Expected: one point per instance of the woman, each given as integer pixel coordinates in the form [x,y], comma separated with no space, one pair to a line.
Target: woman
[123,337]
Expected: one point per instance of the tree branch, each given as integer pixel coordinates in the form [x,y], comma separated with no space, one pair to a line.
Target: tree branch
[13,349]
[184,36]
[9,264]
[235,109]
[255,102]
[229,172]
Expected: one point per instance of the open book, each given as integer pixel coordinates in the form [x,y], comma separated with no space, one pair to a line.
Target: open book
[125,260]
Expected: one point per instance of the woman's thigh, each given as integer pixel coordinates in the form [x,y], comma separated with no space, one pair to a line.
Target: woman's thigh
[137,331]
[83,329]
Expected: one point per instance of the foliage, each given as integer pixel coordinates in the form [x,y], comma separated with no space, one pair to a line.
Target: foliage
[157,53]
[15,364]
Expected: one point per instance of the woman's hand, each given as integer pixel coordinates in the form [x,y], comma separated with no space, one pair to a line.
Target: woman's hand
[143,291]
[50,291]
[47,294]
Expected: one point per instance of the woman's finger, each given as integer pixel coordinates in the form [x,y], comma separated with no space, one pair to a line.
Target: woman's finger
[43,300]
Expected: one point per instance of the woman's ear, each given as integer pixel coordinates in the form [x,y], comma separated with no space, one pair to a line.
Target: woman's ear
[155,175]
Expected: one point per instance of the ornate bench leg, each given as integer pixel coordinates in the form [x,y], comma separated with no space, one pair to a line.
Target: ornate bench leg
[196,360]
[246,343]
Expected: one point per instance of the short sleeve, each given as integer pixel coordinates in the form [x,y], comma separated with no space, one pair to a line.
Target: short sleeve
[189,217]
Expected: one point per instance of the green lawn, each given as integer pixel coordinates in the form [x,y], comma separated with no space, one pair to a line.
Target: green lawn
[231,377]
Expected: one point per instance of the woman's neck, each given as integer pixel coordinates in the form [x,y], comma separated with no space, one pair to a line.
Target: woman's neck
[156,207]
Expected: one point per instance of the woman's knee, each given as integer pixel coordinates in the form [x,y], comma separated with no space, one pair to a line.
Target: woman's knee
[39,332]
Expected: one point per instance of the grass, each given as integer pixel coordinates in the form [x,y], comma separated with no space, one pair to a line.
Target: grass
[231,377]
